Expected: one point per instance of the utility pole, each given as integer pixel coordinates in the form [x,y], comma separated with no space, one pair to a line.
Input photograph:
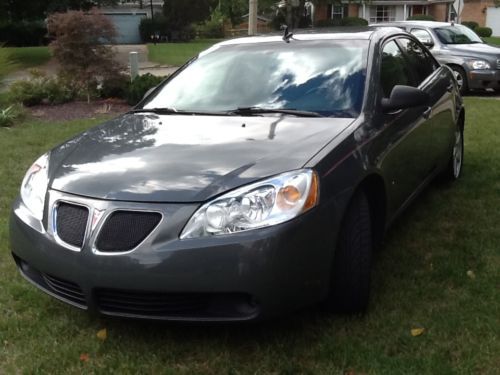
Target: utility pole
[152,12]
[252,17]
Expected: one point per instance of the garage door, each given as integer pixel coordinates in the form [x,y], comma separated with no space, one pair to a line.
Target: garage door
[493,20]
[127,27]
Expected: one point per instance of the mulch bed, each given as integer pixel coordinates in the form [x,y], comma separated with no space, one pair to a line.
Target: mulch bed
[79,110]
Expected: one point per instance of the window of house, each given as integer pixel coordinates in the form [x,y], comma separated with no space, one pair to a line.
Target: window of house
[337,11]
[416,10]
[382,13]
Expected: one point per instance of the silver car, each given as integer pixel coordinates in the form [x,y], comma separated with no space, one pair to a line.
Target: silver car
[476,65]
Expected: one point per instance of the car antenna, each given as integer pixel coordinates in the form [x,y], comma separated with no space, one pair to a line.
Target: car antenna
[287,34]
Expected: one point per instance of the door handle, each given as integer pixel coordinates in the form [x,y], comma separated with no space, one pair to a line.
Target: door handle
[427,113]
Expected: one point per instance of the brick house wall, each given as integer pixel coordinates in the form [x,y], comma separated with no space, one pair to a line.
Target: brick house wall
[321,13]
[439,11]
[352,10]
[475,10]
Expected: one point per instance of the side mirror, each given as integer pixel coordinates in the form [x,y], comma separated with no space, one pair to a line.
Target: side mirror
[428,43]
[403,97]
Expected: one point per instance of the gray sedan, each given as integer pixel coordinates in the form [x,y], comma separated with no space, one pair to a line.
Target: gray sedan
[476,65]
[256,180]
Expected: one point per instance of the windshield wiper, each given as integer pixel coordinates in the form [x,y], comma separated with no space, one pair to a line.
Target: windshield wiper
[173,111]
[162,111]
[249,111]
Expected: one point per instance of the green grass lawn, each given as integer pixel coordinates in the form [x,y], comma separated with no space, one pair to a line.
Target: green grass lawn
[176,54]
[421,280]
[12,58]
[493,40]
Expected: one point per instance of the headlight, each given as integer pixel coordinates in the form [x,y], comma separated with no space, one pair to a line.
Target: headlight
[34,186]
[479,64]
[262,204]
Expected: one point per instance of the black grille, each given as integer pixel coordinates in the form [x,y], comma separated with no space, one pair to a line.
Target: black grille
[175,305]
[151,304]
[124,230]
[65,289]
[71,223]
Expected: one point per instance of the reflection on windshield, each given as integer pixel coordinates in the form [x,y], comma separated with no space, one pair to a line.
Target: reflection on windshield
[327,78]
[457,34]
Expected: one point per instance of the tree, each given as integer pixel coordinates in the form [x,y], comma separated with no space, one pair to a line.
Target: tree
[234,10]
[65,5]
[28,10]
[79,47]
[182,13]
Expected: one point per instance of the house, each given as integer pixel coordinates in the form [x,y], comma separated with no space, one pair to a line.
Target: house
[484,12]
[263,26]
[385,10]
[127,15]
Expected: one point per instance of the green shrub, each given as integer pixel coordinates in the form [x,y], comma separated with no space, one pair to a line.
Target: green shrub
[211,29]
[115,87]
[346,21]
[353,21]
[140,86]
[326,23]
[24,33]
[9,115]
[470,24]
[28,92]
[58,91]
[421,17]
[41,89]
[484,32]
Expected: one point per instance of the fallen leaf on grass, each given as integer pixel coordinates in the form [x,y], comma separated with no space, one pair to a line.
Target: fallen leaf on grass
[471,274]
[84,357]
[102,334]
[417,331]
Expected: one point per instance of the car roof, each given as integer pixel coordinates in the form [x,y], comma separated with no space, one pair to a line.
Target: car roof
[341,33]
[430,24]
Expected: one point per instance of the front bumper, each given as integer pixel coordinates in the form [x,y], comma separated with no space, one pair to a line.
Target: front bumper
[484,79]
[242,276]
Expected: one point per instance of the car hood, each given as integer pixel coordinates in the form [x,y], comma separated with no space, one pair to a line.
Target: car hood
[167,158]
[475,50]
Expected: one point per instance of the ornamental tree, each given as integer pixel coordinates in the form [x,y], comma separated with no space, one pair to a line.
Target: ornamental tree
[81,46]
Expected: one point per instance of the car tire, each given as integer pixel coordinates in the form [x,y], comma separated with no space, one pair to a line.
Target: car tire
[454,169]
[351,271]
[461,78]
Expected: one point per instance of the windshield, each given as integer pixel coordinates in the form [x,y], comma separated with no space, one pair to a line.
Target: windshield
[326,77]
[457,34]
